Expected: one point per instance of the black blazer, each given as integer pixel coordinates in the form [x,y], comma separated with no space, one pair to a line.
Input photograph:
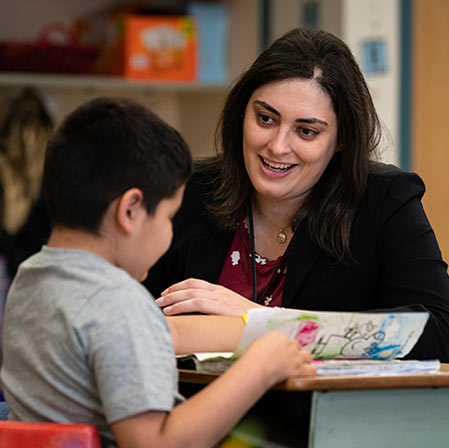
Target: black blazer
[399,265]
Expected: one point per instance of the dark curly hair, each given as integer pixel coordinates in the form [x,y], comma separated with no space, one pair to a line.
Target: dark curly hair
[104,148]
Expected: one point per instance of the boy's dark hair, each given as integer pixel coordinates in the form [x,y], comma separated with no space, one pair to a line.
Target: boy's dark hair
[101,150]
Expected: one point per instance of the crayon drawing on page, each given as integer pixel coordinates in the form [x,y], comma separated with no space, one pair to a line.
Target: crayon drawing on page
[340,335]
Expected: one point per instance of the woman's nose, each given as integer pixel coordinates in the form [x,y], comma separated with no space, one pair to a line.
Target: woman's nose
[280,141]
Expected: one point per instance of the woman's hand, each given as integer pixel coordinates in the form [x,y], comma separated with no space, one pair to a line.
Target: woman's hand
[195,295]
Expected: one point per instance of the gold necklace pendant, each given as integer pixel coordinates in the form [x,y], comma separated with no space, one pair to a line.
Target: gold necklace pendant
[281,237]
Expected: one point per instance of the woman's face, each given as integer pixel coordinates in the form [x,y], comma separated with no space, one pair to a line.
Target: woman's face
[289,137]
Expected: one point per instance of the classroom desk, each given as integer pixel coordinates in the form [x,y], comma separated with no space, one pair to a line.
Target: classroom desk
[360,411]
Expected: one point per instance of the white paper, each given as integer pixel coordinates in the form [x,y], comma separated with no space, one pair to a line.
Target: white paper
[375,367]
[210,355]
[334,335]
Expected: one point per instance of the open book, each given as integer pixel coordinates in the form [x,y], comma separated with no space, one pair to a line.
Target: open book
[334,335]
[370,340]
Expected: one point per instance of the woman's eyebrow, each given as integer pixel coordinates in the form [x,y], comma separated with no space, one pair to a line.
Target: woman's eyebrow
[268,107]
[298,120]
[312,120]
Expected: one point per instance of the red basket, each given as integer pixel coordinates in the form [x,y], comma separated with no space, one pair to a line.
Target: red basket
[46,56]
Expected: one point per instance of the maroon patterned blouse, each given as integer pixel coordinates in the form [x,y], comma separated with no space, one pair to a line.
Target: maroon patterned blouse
[236,273]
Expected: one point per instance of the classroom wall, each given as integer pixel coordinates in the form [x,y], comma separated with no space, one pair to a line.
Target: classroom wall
[430,115]
[375,25]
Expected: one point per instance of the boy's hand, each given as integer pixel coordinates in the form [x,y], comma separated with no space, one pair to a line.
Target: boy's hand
[195,295]
[280,357]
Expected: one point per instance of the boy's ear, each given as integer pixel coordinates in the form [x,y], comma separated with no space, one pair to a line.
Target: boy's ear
[128,207]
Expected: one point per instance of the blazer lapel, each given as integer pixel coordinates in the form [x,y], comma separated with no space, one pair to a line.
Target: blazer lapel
[303,255]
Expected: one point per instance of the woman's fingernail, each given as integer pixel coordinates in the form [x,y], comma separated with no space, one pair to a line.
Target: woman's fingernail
[160,301]
[167,309]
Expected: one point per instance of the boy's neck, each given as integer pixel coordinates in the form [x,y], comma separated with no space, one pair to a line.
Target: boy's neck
[65,238]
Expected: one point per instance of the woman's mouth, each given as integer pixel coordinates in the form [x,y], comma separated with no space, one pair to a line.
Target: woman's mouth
[277,167]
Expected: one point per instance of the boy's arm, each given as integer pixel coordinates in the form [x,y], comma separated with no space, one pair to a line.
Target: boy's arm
[209,415]
[195,334]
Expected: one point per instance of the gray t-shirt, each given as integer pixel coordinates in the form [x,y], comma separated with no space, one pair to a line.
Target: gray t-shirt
[84,343]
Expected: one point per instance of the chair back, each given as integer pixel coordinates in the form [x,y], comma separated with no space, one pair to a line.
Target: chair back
[49,435]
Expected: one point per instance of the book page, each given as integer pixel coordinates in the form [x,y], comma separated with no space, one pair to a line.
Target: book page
[339,335]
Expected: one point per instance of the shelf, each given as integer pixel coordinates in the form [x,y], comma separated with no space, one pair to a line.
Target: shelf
[9,79]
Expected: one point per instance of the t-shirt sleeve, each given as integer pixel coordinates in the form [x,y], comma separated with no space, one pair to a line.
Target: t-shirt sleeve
[131,354]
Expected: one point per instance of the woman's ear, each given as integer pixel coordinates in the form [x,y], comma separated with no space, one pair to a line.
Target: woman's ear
[128,208]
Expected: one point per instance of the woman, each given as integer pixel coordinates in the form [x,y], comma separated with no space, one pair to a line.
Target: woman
[292,212]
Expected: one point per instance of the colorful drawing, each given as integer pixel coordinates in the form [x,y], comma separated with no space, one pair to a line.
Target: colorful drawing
[333,335]
[307,332]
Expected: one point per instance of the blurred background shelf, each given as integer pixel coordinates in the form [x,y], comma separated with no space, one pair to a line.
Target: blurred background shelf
[10,79]
[191,107]
[411,94]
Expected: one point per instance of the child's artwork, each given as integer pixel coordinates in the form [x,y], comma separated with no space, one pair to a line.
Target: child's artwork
[339,335]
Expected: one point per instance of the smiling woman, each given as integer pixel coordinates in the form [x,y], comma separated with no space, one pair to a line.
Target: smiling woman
[289,137]
[294,211]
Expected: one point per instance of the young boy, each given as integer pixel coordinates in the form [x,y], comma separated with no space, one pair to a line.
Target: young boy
[84,341]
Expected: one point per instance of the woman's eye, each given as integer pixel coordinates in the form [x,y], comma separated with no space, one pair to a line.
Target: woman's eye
[265,119]
[307,133]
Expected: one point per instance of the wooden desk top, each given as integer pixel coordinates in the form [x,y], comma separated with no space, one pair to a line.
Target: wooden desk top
[341,382]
